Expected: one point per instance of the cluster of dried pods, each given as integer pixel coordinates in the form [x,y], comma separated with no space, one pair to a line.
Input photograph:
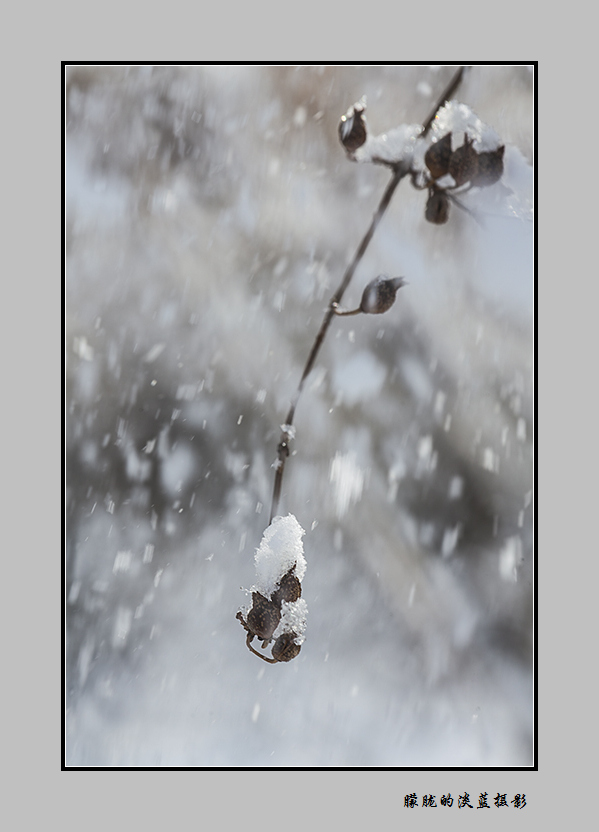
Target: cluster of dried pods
[264,618]
[447,170]
[465,165]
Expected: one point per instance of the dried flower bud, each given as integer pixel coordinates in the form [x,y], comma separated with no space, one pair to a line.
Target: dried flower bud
[263,618]
[490,167]
[289,589]
[437,207]
[352,127]
[463,163]
[438,155]
[379,294]
[285,648]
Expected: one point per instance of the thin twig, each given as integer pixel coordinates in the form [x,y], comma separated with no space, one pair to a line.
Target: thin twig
[283,447]
[256,653]
[399,172]
[443,98]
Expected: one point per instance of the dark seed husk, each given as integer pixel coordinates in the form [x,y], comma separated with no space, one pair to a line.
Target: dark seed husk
[352,129]
[490,167]
[379,294]
[289,589]
[463,164]
[264,616]
[285,648]
[437,208]
[437,157]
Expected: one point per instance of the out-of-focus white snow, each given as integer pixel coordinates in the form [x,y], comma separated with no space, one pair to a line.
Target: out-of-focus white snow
[178,468]
[359,377]
[347,479]
[510,559]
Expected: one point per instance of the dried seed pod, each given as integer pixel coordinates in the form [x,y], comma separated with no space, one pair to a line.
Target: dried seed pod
[352,128]
[379,294]
[490,167]
[263,618]
[463,163]
[437,207]
[437,157]
[285,648]
[289,589]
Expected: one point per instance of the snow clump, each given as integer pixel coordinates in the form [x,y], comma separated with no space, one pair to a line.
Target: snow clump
[280,550]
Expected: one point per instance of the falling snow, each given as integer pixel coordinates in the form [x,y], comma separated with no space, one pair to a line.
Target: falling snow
[347,480]
[210,213]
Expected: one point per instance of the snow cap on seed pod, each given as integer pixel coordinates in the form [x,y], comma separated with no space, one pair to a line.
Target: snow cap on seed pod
[281,551]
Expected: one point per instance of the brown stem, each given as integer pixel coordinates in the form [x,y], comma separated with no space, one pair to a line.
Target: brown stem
[256,653]
[398,174]
[445,96]
[283,447]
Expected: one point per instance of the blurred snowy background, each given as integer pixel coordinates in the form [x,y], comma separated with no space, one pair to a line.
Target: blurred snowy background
[210,214]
